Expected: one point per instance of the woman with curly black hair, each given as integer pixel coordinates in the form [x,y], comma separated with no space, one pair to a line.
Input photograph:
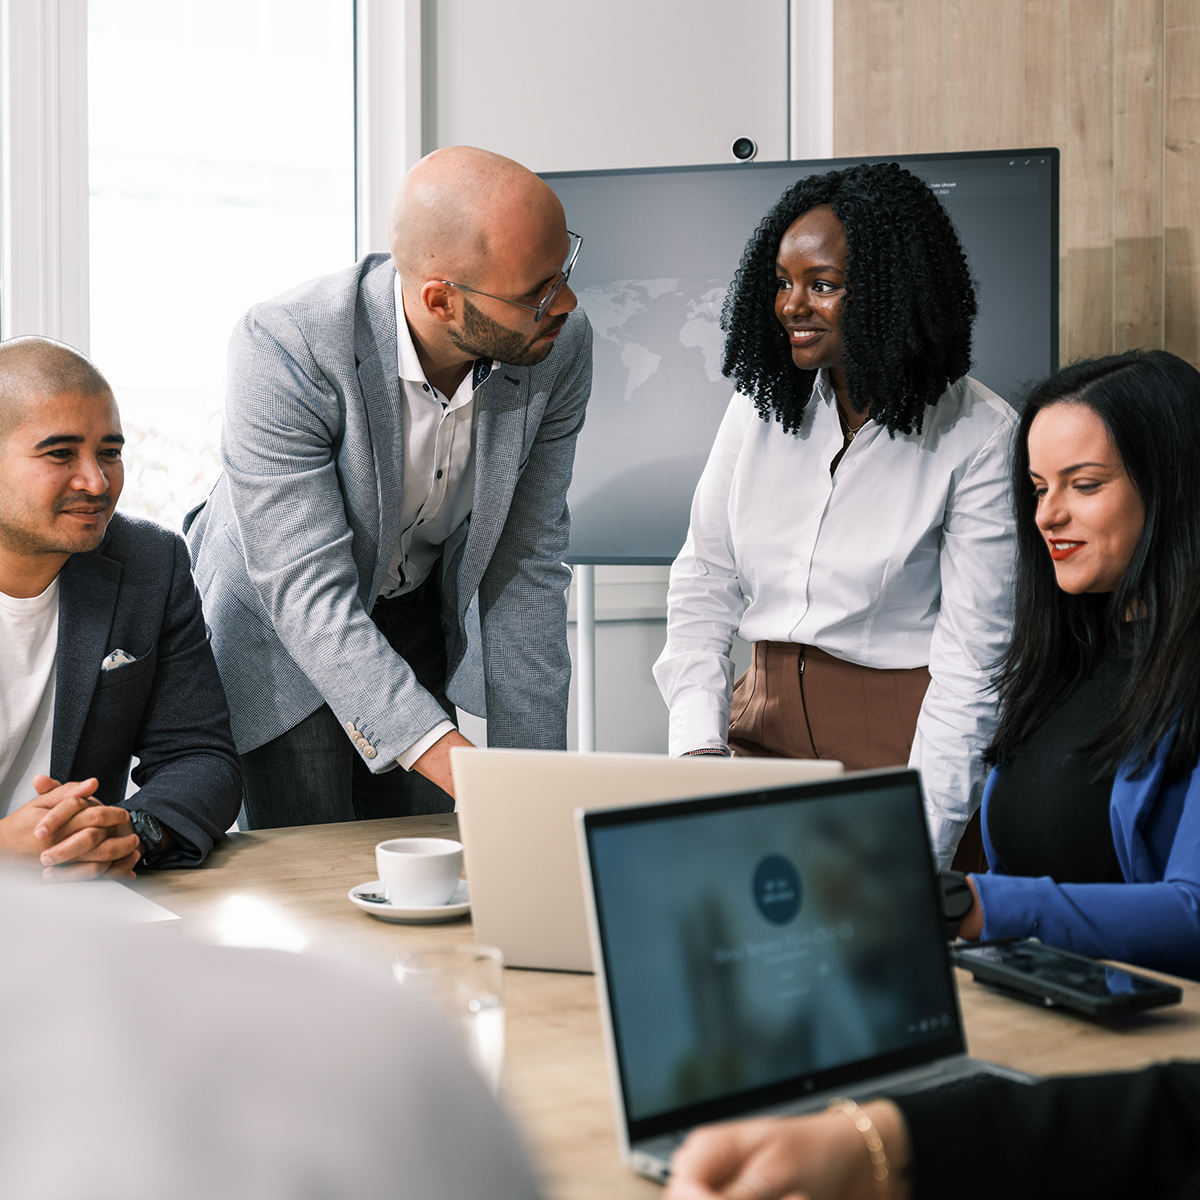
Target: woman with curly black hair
[853,520]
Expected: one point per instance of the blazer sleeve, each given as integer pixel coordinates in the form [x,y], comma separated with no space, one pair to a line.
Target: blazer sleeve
[522,595]
[188,772]
[1099,1136]
[1154,923]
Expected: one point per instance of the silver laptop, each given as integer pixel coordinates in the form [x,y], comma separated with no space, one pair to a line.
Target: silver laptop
[763,952]
[516,818]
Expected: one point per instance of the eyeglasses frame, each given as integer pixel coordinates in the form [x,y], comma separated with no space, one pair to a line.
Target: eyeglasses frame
[539,310]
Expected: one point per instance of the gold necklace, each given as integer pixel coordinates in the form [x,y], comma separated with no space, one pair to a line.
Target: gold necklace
[848,433]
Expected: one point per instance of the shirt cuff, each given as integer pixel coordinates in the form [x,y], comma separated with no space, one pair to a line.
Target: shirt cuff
[409,758]
[699,718]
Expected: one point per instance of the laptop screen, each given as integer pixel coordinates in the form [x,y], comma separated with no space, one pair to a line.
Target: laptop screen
[761,946]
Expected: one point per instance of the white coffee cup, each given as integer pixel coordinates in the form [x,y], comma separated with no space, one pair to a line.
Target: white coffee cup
[419,872]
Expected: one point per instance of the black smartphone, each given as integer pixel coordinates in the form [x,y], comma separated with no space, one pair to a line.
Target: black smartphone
[1058,977]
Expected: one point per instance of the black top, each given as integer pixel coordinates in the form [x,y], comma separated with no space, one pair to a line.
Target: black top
[1099,1137]
[1048,815]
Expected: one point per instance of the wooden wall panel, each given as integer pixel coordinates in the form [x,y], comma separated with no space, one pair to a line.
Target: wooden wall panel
[1088,167]
[1115,84]
[1181,192]
[1045,80]
[1138,148]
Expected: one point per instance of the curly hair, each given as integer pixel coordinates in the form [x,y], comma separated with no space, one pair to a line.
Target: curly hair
[906,316]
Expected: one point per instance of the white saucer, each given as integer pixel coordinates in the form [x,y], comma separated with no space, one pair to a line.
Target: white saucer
[459,905]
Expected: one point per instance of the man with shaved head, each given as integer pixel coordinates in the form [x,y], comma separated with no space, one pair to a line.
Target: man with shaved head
[103,651]
[386,539]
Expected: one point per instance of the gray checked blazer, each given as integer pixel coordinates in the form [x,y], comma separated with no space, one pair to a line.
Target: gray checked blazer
[293,544]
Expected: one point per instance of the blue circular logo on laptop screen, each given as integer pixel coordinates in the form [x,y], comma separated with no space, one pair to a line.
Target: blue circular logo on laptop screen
[777,890]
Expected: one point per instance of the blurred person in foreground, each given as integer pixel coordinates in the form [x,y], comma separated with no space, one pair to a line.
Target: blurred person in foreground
[853,519]
[386,540]
[104,652]
[143,1065]
[1100,1137]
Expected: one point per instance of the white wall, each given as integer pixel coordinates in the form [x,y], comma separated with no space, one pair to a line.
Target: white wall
[565,85]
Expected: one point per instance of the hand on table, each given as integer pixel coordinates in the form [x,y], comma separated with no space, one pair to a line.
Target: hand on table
[820,1157]
[72,834]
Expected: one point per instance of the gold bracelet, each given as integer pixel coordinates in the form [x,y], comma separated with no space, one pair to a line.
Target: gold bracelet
[875,1151]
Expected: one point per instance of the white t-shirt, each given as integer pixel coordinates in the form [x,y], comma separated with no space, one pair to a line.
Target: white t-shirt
[28,646]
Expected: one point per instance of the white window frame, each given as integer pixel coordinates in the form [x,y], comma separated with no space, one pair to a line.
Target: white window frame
[44,275]
[44,278]
[44,193]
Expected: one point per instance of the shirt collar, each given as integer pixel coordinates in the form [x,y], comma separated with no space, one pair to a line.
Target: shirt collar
[822,386]
[406,353]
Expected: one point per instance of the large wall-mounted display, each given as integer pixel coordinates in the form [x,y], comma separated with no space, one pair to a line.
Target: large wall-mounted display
[660,250]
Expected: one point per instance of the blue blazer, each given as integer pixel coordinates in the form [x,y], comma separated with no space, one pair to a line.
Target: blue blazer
[1153,918]
[135,593]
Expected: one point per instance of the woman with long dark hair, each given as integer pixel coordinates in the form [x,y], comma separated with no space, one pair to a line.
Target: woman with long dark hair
[1091,817]
[853,520]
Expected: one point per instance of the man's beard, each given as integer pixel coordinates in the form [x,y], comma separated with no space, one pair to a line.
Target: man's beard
[481,337]
[24,537]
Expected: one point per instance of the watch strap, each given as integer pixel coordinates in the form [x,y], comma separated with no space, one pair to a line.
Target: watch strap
[957,898]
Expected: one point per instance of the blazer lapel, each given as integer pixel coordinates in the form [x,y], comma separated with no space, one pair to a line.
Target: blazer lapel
[87,601]
[499,436]
[379,381]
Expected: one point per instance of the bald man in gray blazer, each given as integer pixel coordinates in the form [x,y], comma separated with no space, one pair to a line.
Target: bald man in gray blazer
[386,540]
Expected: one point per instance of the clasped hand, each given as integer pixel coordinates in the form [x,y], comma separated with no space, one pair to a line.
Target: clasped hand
[71,833]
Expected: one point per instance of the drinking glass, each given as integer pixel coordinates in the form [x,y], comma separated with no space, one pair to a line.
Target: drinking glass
[467,985]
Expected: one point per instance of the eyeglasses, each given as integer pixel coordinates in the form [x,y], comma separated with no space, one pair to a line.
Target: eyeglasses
[539,310]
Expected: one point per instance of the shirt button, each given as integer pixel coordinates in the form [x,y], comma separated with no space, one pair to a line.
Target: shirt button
[817,513]
[425,386]
[439,475]
[799,562]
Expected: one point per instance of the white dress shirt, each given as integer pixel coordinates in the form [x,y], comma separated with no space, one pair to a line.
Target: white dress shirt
[902,559]
[439,478]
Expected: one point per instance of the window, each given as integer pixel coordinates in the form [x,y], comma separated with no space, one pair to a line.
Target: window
[221,165]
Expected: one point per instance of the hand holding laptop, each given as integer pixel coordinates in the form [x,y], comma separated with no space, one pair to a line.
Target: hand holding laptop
[822,1157]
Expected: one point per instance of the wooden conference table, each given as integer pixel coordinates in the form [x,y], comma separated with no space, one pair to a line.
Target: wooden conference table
[293,883]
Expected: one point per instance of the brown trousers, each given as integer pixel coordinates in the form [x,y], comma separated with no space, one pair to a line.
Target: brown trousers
[798,702]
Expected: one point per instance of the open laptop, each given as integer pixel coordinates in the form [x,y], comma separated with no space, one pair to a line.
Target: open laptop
[516,819]
[763,952]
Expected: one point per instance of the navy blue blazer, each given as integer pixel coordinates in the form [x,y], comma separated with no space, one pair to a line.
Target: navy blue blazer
[135,593]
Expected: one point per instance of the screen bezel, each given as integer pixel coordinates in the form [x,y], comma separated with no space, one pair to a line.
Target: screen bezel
[575,555]
[796,1087]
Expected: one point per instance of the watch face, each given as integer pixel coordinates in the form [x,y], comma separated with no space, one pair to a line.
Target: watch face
[148,829]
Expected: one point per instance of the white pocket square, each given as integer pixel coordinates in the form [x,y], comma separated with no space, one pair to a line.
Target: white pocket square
[118,658]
